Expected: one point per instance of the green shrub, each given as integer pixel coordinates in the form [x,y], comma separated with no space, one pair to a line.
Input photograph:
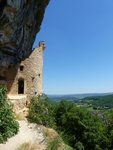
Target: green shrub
[81,128]
[41,111]
[8,125]
[79,146]
[54,144]
[57,144]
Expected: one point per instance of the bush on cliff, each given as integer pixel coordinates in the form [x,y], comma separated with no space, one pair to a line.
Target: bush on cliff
[41,111]
[8,125]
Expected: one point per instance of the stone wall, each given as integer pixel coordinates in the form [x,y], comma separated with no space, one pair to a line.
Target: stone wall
[30,71]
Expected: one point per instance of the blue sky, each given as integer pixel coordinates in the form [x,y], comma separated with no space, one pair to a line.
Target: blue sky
[79,46]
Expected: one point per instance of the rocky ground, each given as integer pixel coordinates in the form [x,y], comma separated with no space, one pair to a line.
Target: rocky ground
[29,134]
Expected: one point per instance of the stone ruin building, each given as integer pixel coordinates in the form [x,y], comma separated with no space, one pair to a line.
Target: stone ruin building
[24,80]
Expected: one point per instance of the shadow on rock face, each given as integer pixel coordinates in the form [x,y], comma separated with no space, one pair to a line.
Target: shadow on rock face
[20,20]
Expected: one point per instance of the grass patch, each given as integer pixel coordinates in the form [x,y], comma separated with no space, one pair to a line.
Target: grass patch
[54,144]
[27,146]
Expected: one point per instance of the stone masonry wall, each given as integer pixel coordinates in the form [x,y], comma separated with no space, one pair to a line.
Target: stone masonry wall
[32,74]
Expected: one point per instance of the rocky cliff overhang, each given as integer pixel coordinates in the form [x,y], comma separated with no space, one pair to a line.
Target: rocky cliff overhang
[20,20]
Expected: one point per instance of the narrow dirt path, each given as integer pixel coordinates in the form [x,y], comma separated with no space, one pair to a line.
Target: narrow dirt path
[28,133]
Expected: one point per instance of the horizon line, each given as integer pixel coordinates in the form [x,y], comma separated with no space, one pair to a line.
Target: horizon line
[82,93]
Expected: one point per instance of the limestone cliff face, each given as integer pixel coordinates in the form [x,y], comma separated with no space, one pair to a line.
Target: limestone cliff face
[20,20]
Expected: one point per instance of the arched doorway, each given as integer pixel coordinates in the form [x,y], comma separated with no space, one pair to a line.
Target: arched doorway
[21,86]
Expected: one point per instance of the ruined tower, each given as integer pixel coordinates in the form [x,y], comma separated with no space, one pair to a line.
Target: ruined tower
[24,80]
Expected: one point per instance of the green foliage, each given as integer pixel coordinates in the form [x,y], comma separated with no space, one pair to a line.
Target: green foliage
[99,101]
[80,128]
[79,146]
[8,125]
[54,144]
[108,120]
[57,143]
[41,111]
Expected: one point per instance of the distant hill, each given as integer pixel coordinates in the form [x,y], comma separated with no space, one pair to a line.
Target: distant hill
[95,100]
[99,101]
[76,97]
